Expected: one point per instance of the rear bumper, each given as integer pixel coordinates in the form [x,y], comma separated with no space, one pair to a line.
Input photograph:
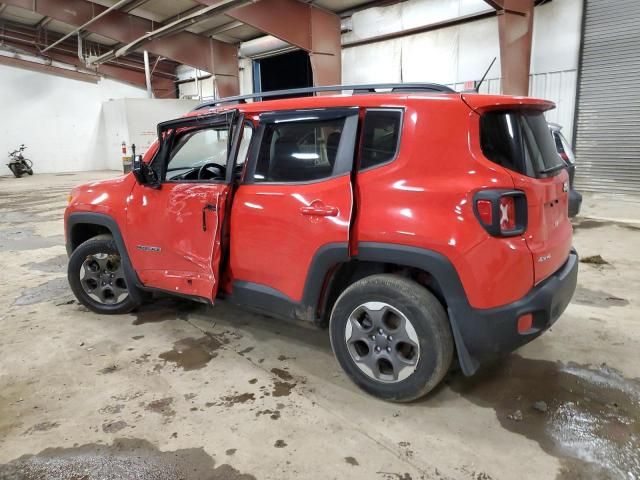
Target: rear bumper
[575,201]
[485,334]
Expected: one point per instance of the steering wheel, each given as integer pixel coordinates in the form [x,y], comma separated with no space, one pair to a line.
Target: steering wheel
[211,168]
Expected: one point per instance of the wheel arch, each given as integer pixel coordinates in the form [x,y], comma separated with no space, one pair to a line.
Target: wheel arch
[373,257]
[82,226]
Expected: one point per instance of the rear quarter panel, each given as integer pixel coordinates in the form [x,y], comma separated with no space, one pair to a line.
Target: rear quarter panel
[424,198]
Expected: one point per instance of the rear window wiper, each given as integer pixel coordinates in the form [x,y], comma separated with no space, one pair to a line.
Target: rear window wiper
[552,169]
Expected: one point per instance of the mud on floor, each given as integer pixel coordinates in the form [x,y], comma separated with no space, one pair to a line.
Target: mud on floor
[589,417]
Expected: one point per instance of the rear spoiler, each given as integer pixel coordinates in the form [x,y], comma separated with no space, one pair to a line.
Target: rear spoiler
[482,103]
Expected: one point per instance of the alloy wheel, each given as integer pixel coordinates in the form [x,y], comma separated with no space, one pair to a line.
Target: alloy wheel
[102,278]
[382,342]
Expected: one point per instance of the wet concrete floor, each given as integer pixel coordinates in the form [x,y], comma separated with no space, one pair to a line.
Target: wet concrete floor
[180,390]
[126,458]
[587,416]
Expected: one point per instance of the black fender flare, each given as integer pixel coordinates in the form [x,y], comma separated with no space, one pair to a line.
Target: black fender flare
[440,267]
[93,218]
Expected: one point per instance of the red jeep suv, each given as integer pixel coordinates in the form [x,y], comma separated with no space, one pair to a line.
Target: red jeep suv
[418,223]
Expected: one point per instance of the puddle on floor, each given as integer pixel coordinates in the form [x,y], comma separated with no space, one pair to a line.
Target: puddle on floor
[51,290]
[163,309]
[192,353]
[51,265]
[17,239]
[588,224]
[589,417]
[125,458]
[597,298]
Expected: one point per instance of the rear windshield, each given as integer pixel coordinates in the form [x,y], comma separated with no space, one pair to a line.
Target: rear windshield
[520,141]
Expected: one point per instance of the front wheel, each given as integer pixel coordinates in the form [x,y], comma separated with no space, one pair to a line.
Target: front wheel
[97,279]
[392,337]
[17,172]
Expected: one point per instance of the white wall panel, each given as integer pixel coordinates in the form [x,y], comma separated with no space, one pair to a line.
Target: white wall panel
[414,13]
[556,36]
[372,65]
[431,55]
[462,53]
[59,119]
[134,120]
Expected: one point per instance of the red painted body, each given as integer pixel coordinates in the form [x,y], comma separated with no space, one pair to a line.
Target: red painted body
[423,198]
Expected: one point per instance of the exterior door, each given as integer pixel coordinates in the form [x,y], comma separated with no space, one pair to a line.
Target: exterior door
[296,199]
[175,230]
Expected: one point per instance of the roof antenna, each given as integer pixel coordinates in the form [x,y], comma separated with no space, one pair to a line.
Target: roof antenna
[477,89]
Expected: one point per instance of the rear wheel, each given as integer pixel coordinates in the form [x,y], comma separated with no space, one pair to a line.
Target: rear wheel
[392,337]
[97,279]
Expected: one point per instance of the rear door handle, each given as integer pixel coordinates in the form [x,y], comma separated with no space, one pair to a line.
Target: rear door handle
[320,210]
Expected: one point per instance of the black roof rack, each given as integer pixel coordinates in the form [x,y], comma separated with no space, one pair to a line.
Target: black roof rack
[357,89]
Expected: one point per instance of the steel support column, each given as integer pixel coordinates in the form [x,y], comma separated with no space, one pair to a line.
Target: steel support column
[303,25]
[515,24]
[183,47]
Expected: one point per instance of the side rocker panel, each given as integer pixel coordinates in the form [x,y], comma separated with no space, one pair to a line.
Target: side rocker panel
[271,301]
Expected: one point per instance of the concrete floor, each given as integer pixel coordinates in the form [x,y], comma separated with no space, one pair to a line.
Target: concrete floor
[179,390]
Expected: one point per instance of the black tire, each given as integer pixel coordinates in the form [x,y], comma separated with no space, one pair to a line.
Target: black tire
[15,171]
[103,244]
[30,171]
[426,316]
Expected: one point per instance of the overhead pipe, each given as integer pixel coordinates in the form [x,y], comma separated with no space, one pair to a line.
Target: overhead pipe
[26,35]
[147,74]
[81,27]
[181,24]
[264,46]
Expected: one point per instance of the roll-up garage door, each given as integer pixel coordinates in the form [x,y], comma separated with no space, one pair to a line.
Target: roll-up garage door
[608,117]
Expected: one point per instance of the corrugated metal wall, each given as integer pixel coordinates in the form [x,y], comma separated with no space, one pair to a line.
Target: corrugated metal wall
[608,115]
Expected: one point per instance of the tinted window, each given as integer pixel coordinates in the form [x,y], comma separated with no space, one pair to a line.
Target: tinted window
[559,146]
[298,151]
[520,141]
[381,133]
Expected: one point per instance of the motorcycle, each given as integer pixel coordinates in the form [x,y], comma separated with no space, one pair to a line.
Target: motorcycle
[18,164]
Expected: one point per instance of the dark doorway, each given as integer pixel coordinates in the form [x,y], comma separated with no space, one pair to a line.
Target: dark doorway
[282,72]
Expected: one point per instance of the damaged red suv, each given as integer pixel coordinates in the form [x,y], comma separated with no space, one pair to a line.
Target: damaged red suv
[419,224]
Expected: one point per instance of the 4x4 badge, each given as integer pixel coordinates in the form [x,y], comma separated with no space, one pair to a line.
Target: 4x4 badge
[565,187]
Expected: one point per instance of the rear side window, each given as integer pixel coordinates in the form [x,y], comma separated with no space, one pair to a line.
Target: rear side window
[298,151]
[381,134]
[520,141]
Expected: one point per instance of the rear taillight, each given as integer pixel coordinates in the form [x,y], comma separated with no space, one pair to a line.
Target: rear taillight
[507,213]
[565,157]
[502,213]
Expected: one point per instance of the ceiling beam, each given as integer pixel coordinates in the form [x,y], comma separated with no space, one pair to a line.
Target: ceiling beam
[133,5]
[29,35]
[515,30]
[50,69]
[162,87]
[184,47]
[302,25]
[222,28]
[182,14]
